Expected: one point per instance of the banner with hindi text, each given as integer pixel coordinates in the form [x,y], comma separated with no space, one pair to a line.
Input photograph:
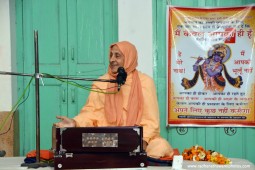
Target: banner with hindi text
[210,66]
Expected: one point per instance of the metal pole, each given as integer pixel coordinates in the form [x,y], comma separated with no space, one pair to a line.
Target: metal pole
[44,75]
[37,98]
[16,74]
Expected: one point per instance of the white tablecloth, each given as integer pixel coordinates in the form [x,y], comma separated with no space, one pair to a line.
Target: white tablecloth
[13,163]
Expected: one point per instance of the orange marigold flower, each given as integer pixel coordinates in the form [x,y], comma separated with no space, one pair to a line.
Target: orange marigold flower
[198,153]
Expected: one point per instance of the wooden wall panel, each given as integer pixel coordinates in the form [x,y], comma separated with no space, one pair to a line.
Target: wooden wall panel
[7,135]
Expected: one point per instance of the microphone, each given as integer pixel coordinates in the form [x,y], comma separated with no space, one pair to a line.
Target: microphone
[121,77]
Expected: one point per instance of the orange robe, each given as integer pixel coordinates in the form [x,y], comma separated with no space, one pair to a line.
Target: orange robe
[93,115]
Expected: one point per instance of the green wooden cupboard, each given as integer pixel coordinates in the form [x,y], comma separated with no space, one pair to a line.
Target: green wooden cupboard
[73,38]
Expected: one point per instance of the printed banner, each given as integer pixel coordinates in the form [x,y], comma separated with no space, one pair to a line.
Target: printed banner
[211,66]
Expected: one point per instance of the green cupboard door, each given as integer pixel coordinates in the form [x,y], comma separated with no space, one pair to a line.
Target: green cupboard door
[92,27]
[53,103]
[54,95]
[66,49]
[49,18]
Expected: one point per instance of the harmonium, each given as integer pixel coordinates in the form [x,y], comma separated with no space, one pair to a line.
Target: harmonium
[98,147]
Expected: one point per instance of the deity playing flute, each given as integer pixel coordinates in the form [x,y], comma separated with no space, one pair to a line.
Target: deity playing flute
[211,70]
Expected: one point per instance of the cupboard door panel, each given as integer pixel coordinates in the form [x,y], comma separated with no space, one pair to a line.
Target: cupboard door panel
[88,42]
[52,103]
[49,18]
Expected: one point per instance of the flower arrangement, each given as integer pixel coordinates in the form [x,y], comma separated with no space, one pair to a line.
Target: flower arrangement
[198,153]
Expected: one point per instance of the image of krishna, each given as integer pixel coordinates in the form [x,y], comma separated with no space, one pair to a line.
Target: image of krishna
[211,70]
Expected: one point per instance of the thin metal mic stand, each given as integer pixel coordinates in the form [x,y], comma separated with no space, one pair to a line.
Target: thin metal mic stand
[37,98]
[37,76]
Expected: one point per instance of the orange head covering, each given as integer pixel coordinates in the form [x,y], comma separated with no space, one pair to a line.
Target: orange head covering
[114,102]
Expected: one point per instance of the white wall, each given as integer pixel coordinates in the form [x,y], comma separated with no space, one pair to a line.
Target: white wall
[5,57]
[135,25]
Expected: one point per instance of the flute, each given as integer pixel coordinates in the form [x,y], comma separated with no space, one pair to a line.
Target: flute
[197,58]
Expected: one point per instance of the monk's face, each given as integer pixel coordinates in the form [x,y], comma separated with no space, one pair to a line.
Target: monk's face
[116,58]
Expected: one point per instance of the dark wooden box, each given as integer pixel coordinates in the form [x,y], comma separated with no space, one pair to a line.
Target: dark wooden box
[100,160]
[97,139]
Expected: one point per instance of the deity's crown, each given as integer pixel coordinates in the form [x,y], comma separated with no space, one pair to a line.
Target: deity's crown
[220,48]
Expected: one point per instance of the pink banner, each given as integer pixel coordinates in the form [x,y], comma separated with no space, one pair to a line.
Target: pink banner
[211,66]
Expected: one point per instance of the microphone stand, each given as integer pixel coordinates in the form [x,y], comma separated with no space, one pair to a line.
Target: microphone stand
[43,75]
[37,101]
[37,76]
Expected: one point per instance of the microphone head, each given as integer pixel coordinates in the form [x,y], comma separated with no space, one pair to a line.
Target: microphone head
[122,76]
